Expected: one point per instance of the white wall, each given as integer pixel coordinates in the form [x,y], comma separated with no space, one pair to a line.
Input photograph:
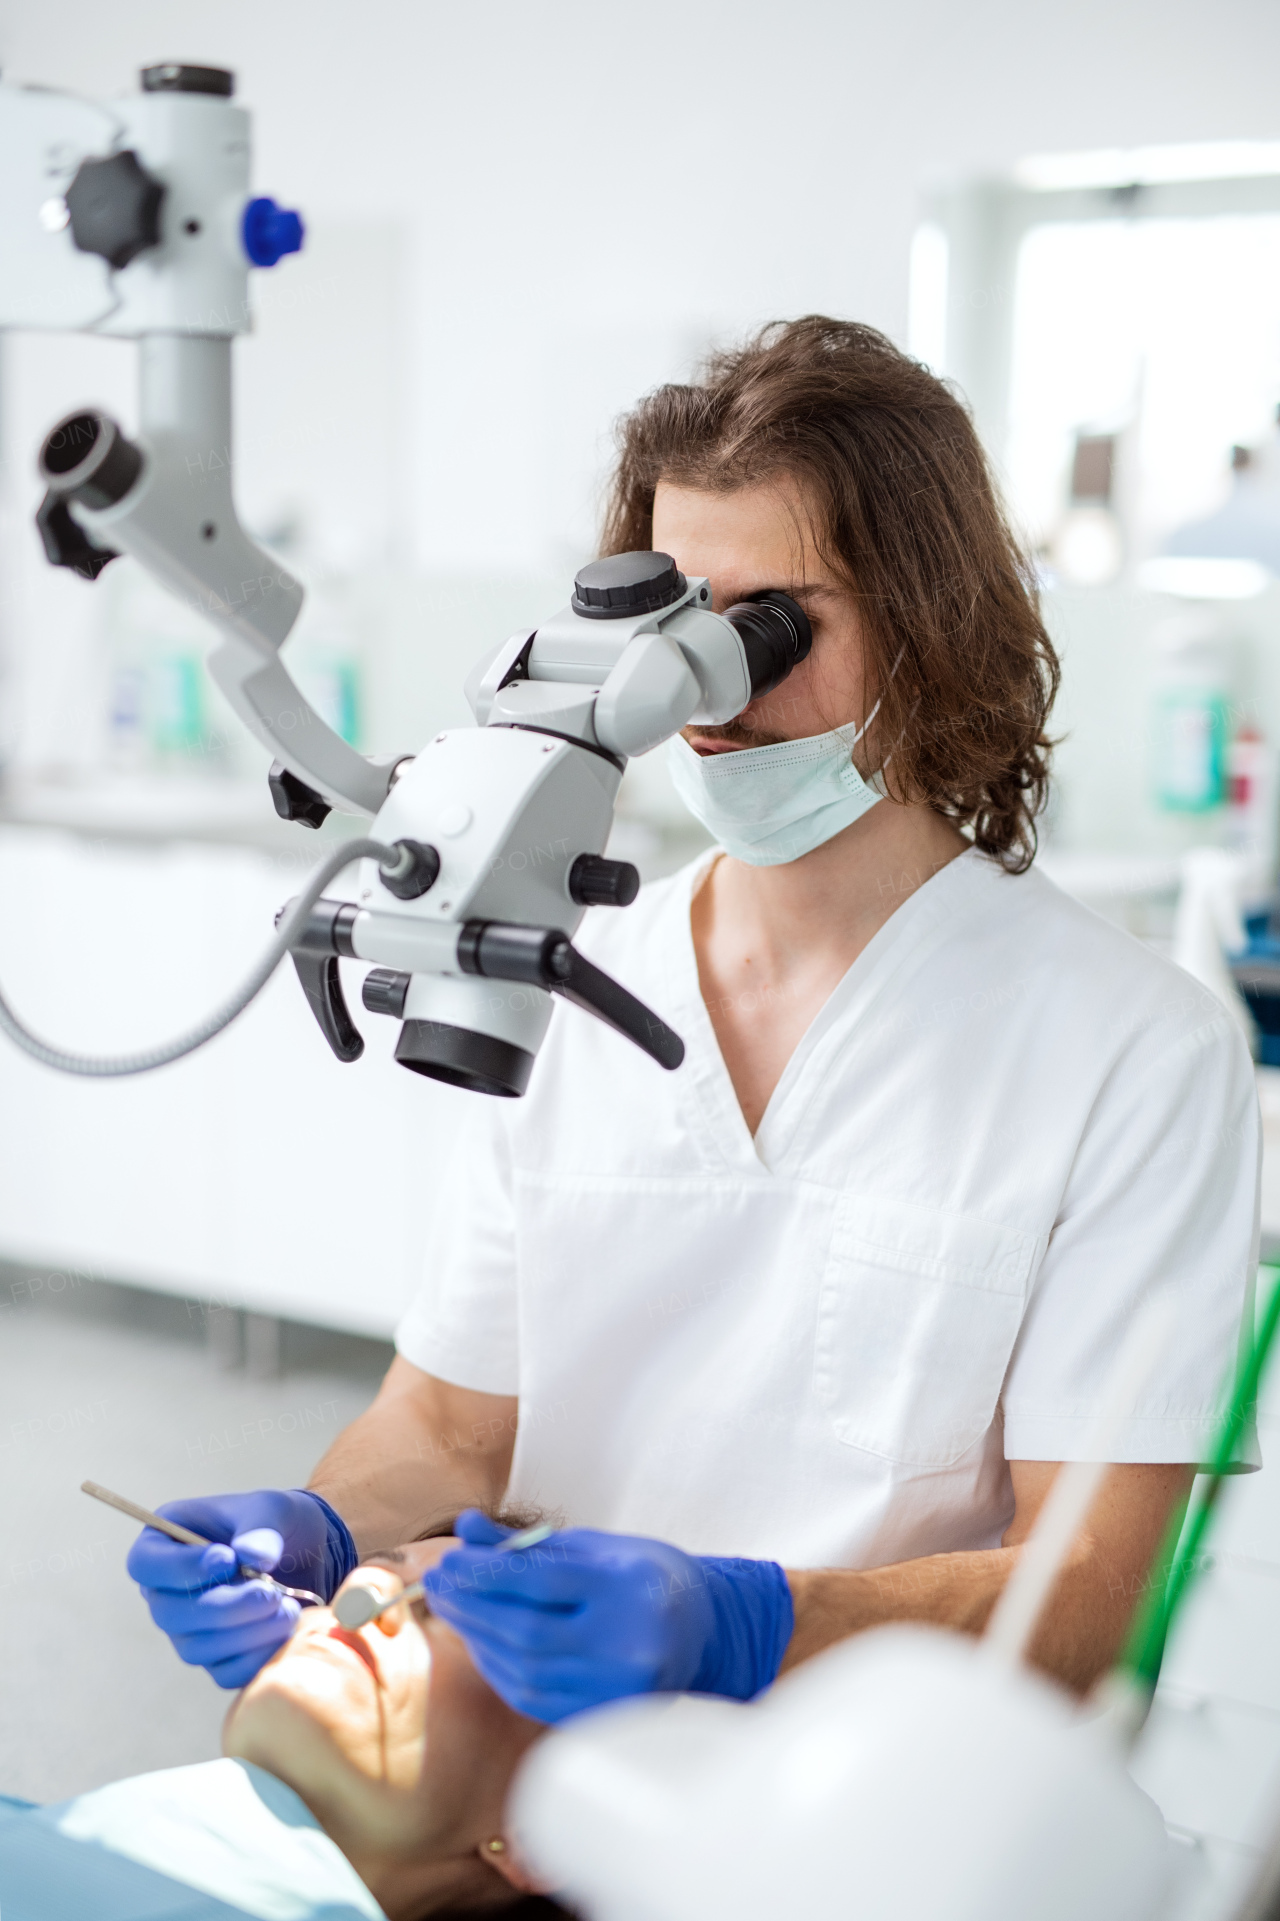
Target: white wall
[588,191]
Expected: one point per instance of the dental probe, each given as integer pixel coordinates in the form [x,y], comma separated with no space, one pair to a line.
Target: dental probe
[176,1532]
[360,1605]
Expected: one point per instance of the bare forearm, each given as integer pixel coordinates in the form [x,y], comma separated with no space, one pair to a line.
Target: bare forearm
[1082,1628]
[418,1455]
[1078,1638]
[945,1590]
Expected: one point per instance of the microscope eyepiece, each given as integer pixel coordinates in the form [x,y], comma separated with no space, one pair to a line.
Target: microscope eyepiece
[88,458]
[775,635]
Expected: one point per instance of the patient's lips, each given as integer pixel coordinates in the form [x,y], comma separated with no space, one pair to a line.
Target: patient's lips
[351,1638]
[372,1592]
[319,1633]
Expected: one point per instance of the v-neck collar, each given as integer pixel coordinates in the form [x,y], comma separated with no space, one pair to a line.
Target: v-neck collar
[712,1107]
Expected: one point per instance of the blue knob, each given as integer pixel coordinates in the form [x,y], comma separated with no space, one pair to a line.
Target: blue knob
[269,231]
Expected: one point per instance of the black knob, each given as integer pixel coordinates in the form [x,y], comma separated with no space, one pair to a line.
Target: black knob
[172,77]
[627,584]
[87,457]
[114,206]
[385,990]
[66,544]
[293,799]
[597,882]
[415,869]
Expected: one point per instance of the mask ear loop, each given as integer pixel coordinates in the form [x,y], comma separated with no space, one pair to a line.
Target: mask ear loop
[878,776]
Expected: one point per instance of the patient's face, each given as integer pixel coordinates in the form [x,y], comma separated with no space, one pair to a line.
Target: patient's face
[399,1747]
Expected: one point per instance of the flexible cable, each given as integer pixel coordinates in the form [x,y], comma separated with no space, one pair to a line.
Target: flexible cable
[111,1066]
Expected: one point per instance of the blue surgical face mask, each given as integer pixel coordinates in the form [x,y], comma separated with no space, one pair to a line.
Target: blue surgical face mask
[767,805]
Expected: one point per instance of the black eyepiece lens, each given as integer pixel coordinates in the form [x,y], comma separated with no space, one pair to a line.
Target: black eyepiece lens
[775,634]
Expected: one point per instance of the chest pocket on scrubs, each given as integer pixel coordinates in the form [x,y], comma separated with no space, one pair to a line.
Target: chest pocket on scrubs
[917,1318]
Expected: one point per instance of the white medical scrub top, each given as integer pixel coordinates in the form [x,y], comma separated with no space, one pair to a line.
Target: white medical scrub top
[1008,1125]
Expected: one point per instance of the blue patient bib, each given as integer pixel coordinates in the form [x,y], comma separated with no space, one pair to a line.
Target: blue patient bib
[216,1842]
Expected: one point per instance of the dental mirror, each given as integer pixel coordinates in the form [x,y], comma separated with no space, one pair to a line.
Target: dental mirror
[359,1605]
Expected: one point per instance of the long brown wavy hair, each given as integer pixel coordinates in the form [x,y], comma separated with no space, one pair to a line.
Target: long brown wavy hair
[904,510]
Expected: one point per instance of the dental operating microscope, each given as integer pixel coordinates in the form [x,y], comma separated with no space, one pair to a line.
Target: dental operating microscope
[134,218]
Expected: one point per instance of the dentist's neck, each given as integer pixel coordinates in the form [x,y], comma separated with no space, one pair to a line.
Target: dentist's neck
[830,903]
[773,943]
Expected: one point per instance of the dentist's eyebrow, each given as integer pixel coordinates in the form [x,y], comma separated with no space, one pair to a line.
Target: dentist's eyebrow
[812,590]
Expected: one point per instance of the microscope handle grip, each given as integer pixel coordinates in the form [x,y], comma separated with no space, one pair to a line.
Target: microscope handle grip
[323,989]
[586,986]
[326,934]
[547,957]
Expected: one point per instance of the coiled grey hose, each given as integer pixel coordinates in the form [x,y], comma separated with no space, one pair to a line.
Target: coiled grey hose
[111,1065]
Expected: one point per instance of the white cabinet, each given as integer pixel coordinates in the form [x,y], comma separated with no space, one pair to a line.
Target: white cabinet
[260,1172]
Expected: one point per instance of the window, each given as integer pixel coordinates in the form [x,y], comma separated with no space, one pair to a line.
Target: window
[1132,297]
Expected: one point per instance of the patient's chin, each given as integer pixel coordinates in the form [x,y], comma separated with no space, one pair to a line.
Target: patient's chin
[385,1832]
[324,1722]
[340,1773]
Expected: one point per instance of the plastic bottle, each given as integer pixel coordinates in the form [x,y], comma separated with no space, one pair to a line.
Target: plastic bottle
[1190,715]
[1251,807]
[157,697]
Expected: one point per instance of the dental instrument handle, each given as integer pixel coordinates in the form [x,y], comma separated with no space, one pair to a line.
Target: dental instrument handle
[188,1538]
[173,1529]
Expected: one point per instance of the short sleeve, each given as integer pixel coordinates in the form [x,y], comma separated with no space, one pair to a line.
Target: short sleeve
[1163,1193]
[462,1325]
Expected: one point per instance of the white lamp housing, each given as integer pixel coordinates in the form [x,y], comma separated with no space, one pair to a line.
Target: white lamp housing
[904,1775]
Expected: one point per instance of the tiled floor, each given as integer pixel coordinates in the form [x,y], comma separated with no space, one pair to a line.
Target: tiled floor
[119,1386]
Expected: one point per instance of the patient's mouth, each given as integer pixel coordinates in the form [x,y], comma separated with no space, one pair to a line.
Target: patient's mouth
[356,1642]
[311,1639]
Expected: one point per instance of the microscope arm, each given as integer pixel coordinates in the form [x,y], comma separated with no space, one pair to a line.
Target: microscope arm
[137,222]
[134,219]
[168,502]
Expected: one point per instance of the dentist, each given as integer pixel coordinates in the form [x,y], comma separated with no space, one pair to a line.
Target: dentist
[795,1339]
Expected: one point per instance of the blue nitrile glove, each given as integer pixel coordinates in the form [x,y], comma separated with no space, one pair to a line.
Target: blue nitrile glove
[586,1617]
[215,1620]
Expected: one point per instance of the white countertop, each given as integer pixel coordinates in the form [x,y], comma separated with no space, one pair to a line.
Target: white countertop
[147,808]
